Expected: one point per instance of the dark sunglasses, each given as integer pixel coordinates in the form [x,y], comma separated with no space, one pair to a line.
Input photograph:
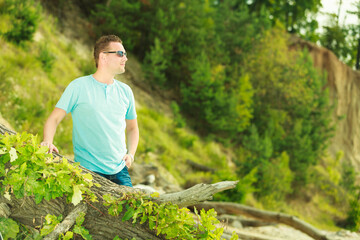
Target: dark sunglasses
[119,53]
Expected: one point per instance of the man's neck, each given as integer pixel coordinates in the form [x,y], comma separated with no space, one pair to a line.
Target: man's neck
[104,77]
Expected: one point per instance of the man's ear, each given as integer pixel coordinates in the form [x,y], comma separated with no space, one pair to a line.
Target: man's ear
[102,57]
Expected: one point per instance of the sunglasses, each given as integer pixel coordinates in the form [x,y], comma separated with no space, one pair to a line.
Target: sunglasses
[119,53]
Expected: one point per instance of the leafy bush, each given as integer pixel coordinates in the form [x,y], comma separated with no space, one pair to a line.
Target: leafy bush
[24,20]
[215,108]
[291,108]
[46,57]
[9,228]
[353,219]
[242,189]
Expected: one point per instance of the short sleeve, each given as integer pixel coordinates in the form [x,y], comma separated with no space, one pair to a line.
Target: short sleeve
[68,100]
[131,112]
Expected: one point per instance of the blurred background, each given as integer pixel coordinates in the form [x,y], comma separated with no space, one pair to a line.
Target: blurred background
[262,91]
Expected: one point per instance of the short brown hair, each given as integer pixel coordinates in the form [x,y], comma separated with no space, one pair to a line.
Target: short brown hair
[102,45]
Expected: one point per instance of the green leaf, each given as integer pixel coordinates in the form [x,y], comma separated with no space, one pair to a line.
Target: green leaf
[83,232]
[3,150]
[42,150]
[7,196]
[69,235]
[155,194]
[9,228]
[129,213]
[80,218]
[23,168]
[13,155]
[87,176]
[47,229]
[76,198]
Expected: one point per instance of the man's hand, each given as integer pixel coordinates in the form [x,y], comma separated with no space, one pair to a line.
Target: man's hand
[50,146]
[128,160]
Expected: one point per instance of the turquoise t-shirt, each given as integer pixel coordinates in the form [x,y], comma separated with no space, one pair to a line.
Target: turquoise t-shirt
[98,112]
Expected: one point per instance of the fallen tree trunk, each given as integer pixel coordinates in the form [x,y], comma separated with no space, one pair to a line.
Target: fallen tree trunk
[200,167]
[239,209]
[241,222]
[100,224]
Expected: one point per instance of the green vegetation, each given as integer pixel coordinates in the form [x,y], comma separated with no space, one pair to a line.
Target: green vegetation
[247,106]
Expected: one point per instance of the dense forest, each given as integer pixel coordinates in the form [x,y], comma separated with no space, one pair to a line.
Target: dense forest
[230,76]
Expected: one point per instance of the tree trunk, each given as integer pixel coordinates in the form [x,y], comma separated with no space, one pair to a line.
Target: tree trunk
[358,55]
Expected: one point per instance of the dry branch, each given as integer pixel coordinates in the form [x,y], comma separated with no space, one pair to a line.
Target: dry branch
[196,194]
[67,223]
[200,167]
[237,220]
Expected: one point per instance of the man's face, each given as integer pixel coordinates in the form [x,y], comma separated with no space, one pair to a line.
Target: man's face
[112,61]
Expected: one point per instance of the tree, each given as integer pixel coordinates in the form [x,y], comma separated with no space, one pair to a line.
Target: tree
[355,32]
[336,38]
[291,108]
[288,12]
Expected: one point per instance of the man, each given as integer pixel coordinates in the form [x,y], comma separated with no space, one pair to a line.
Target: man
[101,108]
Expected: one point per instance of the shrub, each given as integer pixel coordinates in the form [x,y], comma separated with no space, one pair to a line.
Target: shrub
[25,18]
[46,58]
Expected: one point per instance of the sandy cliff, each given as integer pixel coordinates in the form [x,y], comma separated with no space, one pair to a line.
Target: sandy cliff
[344,85]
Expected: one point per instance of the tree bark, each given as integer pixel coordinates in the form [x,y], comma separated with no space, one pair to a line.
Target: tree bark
[232,219]
[239,209]
[200,167]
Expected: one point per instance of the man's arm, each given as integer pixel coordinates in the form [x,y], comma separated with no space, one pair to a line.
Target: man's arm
[132,135]
[50,128]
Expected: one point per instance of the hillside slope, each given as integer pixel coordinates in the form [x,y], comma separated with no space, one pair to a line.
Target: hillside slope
[28,100]
[344,85]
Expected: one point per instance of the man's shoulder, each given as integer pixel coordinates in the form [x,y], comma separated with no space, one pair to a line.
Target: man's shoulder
[122,85]
[80,81]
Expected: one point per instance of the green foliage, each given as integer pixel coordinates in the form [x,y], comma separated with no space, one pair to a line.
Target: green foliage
[29,93]
[178,118]
[87,67]
[336,39]
[155,64]
[78,229]
[52,221]
[50,224]
[273,175]
[106,21]
[46,57]
[34,172]
[9,228]
[216,108]
[293,14]
[353,219]
[237,41]
[291,108]
[244,187]
[348,177]
[165,218]
[24,20]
